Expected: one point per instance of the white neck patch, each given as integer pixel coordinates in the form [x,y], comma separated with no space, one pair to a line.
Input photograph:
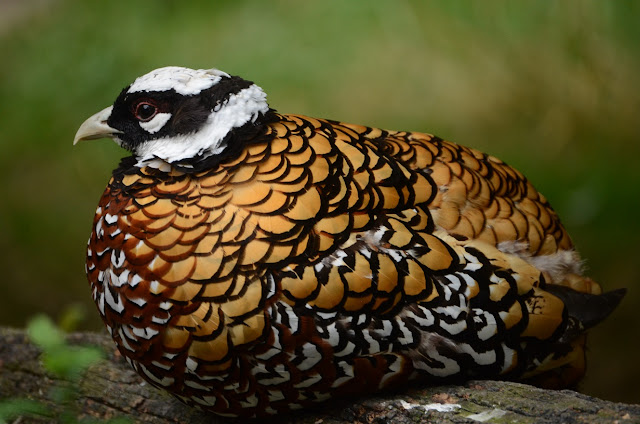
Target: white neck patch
[185,81]
[239,109]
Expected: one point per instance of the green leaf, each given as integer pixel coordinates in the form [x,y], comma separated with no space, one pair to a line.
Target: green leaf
[43,332]
[72,316]
[71,361]
[58,357]
[13,408]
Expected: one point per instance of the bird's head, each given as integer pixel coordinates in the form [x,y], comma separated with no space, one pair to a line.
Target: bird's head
[177,114]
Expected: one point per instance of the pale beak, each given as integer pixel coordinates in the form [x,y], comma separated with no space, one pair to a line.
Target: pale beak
[96,127]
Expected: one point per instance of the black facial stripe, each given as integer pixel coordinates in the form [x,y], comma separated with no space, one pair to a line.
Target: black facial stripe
[223,90]
[188,113]
[123,118]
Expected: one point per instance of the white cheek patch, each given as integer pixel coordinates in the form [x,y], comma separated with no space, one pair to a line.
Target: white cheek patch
[156,124]
[185,81]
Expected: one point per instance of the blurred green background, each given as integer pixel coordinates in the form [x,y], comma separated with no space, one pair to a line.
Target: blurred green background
[553,88]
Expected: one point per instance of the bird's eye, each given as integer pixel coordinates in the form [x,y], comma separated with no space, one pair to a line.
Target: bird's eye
[145,111]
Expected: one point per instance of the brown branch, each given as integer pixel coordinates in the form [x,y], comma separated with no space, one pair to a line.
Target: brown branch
[111,389]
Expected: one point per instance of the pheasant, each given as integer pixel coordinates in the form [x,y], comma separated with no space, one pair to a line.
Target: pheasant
[252,262]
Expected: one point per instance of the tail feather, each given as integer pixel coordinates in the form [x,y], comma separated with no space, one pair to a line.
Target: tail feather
[587,309]
[583,311]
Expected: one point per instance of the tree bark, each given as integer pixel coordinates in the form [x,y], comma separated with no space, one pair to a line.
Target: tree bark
[112,389]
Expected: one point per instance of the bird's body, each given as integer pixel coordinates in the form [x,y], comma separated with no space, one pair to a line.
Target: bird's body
[252,262]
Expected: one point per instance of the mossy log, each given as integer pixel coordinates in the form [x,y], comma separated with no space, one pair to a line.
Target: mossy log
[112,389]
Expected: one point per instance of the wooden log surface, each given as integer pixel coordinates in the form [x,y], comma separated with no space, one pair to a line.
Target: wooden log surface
[112,389]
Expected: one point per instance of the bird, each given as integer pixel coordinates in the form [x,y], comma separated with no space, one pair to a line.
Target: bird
[253,263]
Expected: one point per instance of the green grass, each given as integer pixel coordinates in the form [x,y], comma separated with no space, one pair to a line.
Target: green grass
[551,88]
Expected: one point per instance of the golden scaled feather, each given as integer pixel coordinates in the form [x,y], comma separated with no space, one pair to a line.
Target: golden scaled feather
[327,259]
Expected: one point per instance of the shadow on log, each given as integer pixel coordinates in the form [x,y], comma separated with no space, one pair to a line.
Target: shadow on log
[112,389]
